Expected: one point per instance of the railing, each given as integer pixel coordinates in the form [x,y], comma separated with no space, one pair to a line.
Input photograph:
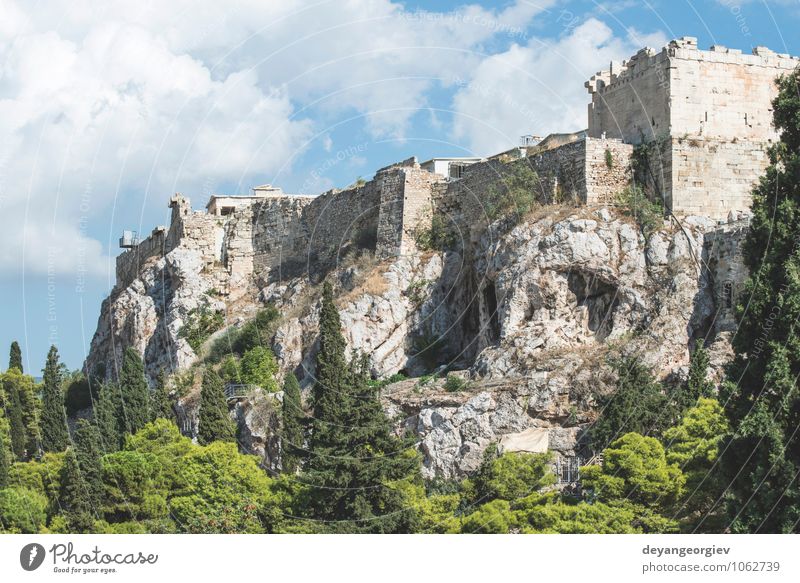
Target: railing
[234,391]
[568,469]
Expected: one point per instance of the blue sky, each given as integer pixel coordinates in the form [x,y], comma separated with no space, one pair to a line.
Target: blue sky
[107,108]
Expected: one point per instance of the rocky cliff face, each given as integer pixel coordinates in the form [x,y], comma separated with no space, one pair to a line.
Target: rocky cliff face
[528,314]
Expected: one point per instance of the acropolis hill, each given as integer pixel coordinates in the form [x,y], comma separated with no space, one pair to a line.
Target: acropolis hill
[541,301]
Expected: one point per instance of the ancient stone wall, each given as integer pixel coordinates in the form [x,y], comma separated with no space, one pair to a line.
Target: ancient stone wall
[631,102]
[130,262]
[713,111]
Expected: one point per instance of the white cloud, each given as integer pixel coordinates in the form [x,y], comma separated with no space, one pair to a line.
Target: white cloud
[538,88]
[108,99]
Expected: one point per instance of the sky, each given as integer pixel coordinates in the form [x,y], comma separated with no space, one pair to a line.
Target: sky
[109,107]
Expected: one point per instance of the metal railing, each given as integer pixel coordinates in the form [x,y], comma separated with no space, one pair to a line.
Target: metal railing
[235,391]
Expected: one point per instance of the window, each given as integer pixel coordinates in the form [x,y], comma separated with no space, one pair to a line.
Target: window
[227,210]
[727,294]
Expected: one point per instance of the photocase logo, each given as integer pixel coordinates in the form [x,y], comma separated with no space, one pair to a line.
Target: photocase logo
[31,556]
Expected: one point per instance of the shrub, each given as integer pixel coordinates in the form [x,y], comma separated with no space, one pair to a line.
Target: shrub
[201,323]
[258,367]
[609,159]
[438,237]
[454,384]
[516,192]
[648,214]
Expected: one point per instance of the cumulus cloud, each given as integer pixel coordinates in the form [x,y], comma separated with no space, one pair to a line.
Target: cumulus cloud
[104,101]
[537,88]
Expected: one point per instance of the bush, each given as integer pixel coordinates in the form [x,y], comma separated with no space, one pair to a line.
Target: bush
[516,192]
[258,367]
[255,332]
[648,214]
[438,237]
[609,159]
[455,384]
[201,323]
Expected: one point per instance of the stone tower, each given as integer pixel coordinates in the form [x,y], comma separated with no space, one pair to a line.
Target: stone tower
[710,111]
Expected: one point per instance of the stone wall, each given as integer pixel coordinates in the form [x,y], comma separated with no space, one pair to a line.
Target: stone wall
[713,111]
[711,177]
[130,262]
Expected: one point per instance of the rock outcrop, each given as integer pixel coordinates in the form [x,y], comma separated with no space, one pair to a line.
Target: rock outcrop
[529,313]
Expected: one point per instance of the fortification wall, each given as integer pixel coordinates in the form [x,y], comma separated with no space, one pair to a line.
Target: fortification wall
[631,103]
[406,206]
[129,262]
[711,177]
[607,170]
[724,94]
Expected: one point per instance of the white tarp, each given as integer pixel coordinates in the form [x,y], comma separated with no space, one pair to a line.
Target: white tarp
[533,440]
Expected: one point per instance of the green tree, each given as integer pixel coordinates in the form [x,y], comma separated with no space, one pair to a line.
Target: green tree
[26,394]
[495,517]
[161,407]
[693,446]
[512,476]
[109,416]
[354,454]
[762,402]
[3,462]
[215,423]
[637,405]
[55,436]
[89,450]
[697,384]
[13,410]
[220,490]
[294,419]
[134,487]
[15,357]
[258,367]
[134,391]
[75,498]
[635,469]
[22,511]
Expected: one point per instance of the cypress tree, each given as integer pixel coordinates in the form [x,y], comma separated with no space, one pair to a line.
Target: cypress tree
[354,453]
[15,357]
[293,425]
[88,451]
[161,407]
[762,403]
[134,391]
[75,498]
[215,423]
[53,422]
[698,384]
[14,413]
[3,462]
[108,417]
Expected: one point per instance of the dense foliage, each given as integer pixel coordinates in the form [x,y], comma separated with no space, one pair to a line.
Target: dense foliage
[761,458]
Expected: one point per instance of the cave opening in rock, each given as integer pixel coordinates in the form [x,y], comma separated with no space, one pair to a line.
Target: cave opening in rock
[490,304]
[600,299]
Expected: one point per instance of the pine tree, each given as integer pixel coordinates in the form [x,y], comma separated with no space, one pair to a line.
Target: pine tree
[762,403]
[3,462]
[88,451]
[215,423]
[53,422]
[134,391]
[637,405]
[109,417]
[293,425]
[354,454]
[161,406]
[75,498]
[15,357]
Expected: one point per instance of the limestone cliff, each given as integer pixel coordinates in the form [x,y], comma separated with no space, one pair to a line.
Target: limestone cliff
[527,313]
